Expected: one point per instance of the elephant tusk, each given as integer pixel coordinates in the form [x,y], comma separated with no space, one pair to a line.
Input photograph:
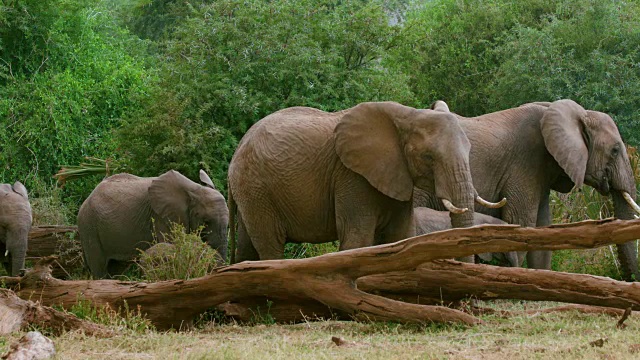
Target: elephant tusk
[6,253]
[452,208]
[490,204]
[630,201]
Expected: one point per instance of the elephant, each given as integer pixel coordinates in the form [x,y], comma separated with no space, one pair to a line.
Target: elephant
[125,213]
[15,223]
[525,152]
[305,175]
[430,220]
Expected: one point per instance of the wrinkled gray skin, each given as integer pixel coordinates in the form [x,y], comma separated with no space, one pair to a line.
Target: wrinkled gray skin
[304,175]
[522,153]
[116,219]
[429,220]
[15,223]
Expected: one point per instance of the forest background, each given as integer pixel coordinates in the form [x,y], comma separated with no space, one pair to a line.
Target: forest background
[150,86]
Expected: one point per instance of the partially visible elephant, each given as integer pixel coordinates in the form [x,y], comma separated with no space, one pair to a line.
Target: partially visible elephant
[15,223]
[430,220]
[523,153]
[305,175]
[124,213]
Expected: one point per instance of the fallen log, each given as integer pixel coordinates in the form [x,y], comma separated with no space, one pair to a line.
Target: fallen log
[57,240]
[448,282]
[44,240]
[18,314]
[329,279]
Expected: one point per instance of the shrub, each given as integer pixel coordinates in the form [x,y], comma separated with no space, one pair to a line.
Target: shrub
[188,258]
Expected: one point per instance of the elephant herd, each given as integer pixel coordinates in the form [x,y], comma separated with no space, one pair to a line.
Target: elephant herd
[372,174]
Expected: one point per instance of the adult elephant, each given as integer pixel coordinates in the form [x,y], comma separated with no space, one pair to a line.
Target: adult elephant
[15,223]
[429,220]
[522,153]
[305,175]
[124,213]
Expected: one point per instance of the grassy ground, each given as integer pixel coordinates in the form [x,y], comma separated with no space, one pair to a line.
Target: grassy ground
[538,336]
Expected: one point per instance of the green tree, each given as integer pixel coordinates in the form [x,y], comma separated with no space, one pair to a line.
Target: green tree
[230,63]
[67,79]
[587,51]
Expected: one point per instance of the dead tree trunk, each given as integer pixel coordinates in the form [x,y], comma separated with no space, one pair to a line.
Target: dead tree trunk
[329,279]
[56,240]
[18,314]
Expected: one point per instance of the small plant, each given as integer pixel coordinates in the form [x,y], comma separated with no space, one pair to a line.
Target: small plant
[184,256]
[266,318]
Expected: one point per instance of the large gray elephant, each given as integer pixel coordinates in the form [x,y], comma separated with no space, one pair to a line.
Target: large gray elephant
[430,220]
[15,223]
[305,175]
[522,153]
[124,212]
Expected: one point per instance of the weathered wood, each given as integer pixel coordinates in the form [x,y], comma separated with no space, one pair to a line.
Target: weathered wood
[49,240]
[328,279]
[44,240]
[18,314]
[447,280]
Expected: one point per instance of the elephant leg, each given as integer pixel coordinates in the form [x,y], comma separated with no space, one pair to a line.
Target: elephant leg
[401,226]
[94,258]
[266,233]
[116,267]
[245,250]
[354,235]
[540,259]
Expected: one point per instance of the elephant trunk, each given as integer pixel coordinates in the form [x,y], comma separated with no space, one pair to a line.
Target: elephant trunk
[17,254]
[462,196]
[217,240]
[627,252]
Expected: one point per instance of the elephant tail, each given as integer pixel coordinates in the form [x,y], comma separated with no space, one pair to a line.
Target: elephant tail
[233,208]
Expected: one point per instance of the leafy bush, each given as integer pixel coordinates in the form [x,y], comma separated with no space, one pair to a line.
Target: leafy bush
[585,50]
[65,81]
[229,63]
[188,257]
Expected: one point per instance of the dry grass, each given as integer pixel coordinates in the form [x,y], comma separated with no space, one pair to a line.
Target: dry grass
[542,336]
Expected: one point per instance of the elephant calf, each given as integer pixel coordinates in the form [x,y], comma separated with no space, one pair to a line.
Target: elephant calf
[124,213]
[429,220]
[15,223]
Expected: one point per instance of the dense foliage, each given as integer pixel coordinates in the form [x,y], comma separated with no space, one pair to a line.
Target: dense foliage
[167,84]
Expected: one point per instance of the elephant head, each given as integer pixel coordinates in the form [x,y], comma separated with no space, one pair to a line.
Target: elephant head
[396,147]
[588,147]
[178,199]
[15,223]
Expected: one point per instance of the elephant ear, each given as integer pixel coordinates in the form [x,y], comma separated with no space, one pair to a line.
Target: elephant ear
[169,196]
[19,189]
[206,179]
[562,127]
[368,143]
[440,105]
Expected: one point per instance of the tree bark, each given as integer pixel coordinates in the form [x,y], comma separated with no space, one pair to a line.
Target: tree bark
[56,240]
[18,314]
[329,279]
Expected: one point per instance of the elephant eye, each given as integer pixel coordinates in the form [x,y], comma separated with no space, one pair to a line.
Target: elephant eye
[615,151]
